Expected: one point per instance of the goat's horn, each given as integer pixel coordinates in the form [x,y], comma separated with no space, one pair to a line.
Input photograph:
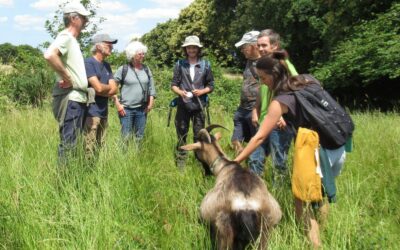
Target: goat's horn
[212,126]
[204,135]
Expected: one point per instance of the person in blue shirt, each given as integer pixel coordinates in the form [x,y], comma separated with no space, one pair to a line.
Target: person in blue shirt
[101,79]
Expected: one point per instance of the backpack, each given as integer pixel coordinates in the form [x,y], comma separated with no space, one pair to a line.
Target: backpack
[204,65]
[306,178]
[125,72]
[323,114]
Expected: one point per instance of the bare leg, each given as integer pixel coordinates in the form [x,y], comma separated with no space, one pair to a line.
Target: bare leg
[305,215]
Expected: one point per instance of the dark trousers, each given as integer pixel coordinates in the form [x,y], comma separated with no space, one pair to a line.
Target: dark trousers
[71,129]
[182,123]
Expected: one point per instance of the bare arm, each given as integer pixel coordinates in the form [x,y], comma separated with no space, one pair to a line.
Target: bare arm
[178,91]
[101,89]
[255,113]
[275,111]
[120,107]
[200,92]
[113,87]
[150,104]
[53,57]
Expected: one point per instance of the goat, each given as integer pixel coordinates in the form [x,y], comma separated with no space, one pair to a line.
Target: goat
[239,207]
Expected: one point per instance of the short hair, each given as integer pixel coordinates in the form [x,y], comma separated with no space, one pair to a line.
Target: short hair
[133,49]
[67,18]
[274,38]
[93,49]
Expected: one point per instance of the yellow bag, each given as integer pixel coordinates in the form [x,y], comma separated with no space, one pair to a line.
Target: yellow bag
[306,178]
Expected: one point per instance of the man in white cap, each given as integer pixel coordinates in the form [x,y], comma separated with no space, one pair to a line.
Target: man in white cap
[244,128]
[70,91]
[100,77]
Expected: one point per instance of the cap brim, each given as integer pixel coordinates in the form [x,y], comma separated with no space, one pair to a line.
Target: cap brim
[238,44]
[113,41]
[84,13]
[194,44]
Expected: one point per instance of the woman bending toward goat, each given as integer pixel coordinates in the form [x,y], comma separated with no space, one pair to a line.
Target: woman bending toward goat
[273,73]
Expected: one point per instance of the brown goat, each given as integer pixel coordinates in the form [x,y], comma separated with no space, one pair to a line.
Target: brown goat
[239,207]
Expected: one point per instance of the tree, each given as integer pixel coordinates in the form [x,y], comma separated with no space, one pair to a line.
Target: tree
[55,25]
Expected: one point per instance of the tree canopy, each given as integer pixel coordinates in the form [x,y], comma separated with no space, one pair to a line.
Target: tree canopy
[347,44]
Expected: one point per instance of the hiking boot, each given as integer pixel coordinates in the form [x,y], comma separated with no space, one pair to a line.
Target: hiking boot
[180,159]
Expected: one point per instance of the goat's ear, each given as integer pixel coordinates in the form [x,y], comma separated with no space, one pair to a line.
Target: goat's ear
[190,147]
[218,136]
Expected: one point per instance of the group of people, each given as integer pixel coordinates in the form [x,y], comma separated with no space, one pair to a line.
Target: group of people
[266,117]
[84,86]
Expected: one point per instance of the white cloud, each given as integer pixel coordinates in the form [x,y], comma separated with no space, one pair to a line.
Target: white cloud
[28,22]
[46,4]
[130,25]
[157,13]
[3,19]
[113,6]
[6,2]
[176,3]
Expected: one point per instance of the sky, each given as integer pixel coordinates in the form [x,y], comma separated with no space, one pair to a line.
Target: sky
[22,21]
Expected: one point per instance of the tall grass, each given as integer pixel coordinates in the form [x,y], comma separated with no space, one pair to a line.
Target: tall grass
[139,200]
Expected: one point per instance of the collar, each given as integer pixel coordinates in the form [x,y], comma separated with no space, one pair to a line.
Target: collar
[215,163]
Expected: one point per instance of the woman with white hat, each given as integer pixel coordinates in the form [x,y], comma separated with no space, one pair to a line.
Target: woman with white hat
[192,81]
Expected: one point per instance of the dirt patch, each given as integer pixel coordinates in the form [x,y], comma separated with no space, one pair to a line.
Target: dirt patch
[231,76]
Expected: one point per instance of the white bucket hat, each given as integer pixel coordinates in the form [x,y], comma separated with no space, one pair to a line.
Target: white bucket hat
[192,40]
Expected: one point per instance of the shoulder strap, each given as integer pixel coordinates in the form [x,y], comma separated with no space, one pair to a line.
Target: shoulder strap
[253,72]
[146,69]
[124,73]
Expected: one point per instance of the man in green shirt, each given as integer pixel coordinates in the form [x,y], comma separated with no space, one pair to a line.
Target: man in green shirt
[281,137]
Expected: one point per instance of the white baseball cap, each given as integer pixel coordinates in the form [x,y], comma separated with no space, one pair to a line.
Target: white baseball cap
[249,37]
[76,7]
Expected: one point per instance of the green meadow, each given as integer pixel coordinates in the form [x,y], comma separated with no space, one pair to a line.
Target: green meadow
[139,200]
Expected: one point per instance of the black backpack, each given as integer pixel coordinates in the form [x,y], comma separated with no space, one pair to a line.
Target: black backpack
[323,114]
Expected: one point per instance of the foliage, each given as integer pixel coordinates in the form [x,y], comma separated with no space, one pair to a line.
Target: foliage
[321,36]
[371,52]
[56,23]
[165,40]
[29,80]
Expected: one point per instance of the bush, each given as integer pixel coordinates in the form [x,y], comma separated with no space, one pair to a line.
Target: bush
[26,79]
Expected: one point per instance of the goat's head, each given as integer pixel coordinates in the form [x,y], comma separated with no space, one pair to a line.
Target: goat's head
[206,148]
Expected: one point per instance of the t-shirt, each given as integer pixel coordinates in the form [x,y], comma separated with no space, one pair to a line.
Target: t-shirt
[72,58]
[103,72]
[265,94]
[250,86]
[132,91]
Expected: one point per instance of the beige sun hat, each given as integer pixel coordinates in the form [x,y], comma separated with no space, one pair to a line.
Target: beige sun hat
[192,40]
